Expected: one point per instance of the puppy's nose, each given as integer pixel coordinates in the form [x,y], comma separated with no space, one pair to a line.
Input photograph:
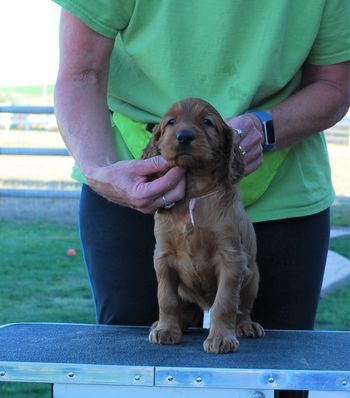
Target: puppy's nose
[184,136]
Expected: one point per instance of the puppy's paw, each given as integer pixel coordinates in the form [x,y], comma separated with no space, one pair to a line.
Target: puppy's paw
[161,335]
[250,329]
[221,344]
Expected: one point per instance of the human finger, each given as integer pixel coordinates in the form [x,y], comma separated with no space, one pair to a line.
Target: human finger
[150,166]
[249,139]
[164,200]
[171,180]
[172,196]
[155,194]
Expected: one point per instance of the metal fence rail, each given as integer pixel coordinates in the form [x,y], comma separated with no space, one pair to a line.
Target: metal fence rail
[34,193]
[39,193]
[28,117]
[340,133]
[35,151]
[337,134]
[36,110]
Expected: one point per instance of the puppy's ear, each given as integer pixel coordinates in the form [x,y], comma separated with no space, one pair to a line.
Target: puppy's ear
[234,157]
[152,147]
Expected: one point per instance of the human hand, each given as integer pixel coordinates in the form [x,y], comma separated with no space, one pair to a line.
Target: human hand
[249,138]
[139,184]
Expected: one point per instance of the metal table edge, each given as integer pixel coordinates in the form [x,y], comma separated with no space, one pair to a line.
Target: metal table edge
[92,325]
[72,373]
[269,379]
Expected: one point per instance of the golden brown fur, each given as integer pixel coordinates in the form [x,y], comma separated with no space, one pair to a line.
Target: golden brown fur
[205,245]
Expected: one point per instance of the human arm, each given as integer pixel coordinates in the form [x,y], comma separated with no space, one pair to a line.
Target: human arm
[322,101]
[84,122]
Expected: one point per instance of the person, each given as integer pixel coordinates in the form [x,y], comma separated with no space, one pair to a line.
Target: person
[123,63]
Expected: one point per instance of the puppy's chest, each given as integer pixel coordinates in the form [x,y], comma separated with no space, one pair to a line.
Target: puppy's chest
[193,249]
[195,257]
[196,242]
[193,233]
[194,245]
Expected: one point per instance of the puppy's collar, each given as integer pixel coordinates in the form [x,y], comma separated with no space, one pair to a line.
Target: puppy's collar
[192,203]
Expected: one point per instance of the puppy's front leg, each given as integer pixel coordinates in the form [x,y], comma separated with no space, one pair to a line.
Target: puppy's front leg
[222,335]
[167,329]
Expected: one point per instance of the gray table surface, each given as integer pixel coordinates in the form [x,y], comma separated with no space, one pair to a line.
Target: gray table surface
[124,346]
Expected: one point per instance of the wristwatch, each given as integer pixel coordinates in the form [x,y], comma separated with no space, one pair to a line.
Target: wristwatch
[268,129]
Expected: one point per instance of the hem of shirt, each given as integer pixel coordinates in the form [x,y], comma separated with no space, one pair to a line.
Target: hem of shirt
[77,175]
[293,213]
[330,60]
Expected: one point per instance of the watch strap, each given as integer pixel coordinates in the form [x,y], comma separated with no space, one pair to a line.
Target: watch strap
[267,125]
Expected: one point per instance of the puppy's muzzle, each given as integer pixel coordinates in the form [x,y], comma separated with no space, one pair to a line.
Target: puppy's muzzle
[184,137]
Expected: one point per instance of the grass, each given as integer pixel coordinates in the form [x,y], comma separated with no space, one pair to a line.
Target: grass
[30,90]
[23,95]
[341,246]
[52,286]
[40,283]
[340,214]
[334,310]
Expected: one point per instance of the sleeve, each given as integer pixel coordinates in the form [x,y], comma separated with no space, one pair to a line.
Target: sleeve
[107,17]
[332,44]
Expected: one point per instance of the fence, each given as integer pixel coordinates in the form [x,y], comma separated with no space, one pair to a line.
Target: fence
[39,204]
[340,133]
[28,117]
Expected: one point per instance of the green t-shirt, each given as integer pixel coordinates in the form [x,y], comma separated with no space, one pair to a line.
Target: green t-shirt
[235,54]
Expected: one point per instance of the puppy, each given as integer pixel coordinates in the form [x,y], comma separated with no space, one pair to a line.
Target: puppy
[205,254]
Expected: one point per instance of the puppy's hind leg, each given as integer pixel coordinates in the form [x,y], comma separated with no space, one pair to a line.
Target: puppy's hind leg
[167,330]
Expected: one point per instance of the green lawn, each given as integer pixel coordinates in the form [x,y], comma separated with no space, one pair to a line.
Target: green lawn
[38,279]
[341,246]
[23,95]
[334,309]
[340,214]
[39,282]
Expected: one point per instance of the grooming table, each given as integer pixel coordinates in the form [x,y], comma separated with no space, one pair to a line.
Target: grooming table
[111,361]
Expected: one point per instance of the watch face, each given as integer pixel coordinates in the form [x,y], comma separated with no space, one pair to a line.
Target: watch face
[270,132]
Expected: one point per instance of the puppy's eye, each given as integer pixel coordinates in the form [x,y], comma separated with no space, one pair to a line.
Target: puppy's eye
[171,122]
[207,122]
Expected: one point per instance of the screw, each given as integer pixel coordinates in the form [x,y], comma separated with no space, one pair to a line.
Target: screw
[271,380]
[170,378]
[2,373]
[137,378]
[71,375]
[344,382]
[199,379]
[258,394]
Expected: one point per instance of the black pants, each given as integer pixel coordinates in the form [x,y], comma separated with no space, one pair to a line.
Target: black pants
[118,246]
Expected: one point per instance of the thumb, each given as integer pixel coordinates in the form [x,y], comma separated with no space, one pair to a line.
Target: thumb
[154,165]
